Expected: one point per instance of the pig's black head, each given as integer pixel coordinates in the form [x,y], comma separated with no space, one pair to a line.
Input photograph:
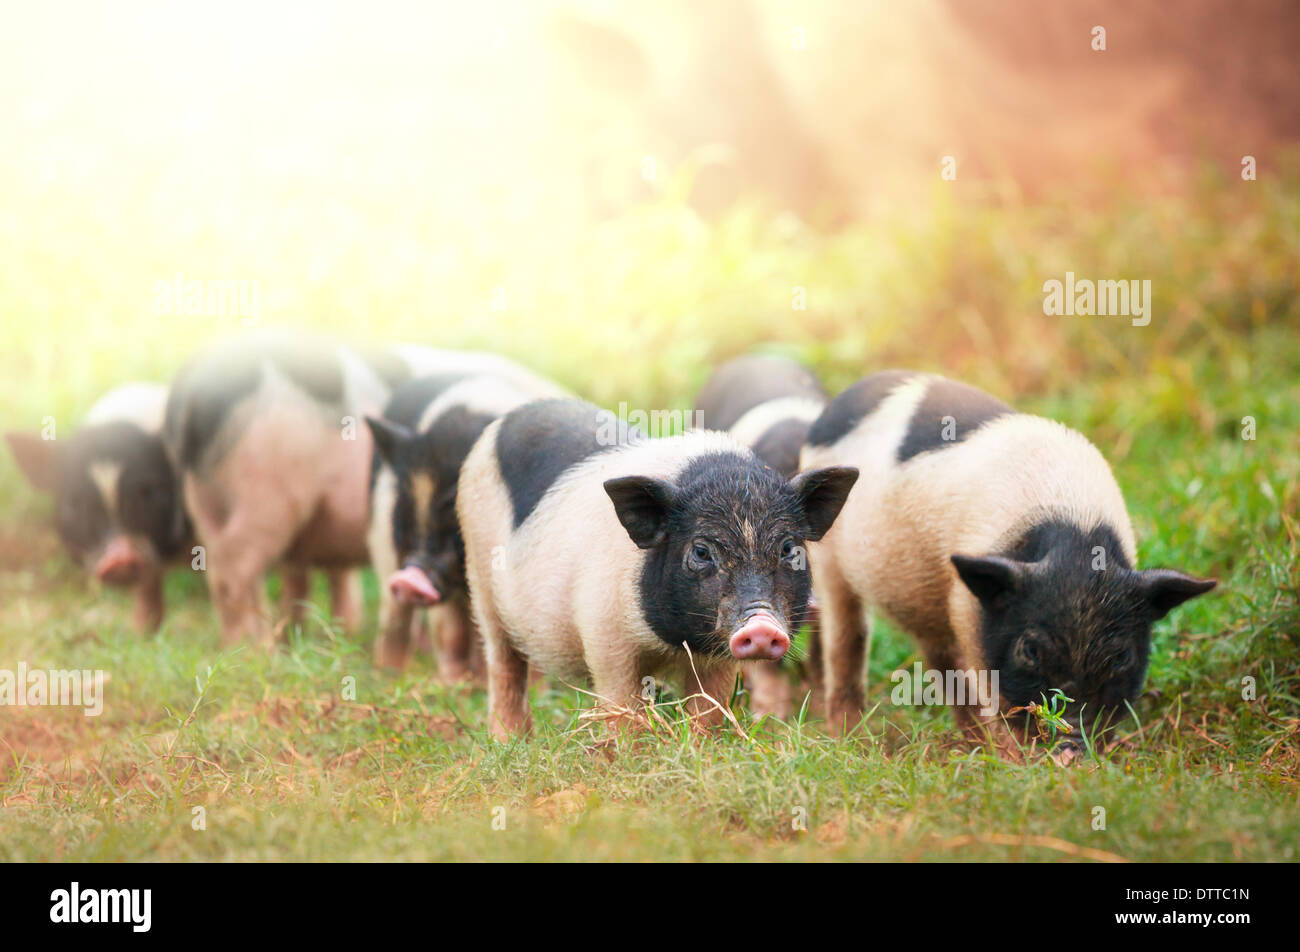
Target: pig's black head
[1064,609]
[116,497]
[726,570]
[425,531]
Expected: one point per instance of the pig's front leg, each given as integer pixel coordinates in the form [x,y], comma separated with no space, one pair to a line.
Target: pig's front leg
[507,676]
[455,637]
[982,729]
[990,732]
[616,675]
[149,601]
[769,689]
[716,681]
[393,646]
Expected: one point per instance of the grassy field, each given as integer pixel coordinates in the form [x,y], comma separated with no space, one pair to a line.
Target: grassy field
[638,310]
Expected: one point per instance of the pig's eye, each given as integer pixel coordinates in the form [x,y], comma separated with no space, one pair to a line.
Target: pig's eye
[787,548]
[701,556]
[1029,651]
[1123,658]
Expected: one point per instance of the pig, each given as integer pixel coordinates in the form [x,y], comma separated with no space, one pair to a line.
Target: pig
[116,500]
[415,543]
[266,435]
[998,539]
[769,404]
[613,557]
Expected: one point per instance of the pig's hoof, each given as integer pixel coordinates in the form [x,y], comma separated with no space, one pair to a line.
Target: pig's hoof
[502,731]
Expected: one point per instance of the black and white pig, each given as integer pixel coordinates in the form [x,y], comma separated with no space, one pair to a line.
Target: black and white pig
[1000,540]
[267,434]
[587,556]
[427,430]
[768,403]
[116,502]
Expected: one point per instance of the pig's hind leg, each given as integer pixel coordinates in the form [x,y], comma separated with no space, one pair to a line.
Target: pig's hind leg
[507,677]
[241,545]
[456,639]
[149,601]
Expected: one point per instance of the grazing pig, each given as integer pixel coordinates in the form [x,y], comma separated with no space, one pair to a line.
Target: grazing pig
[587,556]
[274,462]
[768,403]
[426,432]
[116,501]
[1000,540]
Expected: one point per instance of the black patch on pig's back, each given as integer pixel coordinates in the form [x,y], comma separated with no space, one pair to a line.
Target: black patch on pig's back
[198,404]
[741,384]
[968,407]
[780,444]
[212,384]
[409,401]
[453,434]
[314,367]
[539,441]
[387,365]
[843,414]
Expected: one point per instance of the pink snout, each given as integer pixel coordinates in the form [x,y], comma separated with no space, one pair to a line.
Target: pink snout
[410,586]
[120,564]
[759,639]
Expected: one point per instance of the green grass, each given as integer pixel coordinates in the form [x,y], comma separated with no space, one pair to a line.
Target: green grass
[638,310]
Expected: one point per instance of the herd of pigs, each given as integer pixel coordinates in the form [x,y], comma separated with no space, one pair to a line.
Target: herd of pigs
[525,531]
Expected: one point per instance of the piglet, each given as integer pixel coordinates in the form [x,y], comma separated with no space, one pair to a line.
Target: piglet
[116,502]
[603,556]
[273,455]
[421,441]
[1000,540]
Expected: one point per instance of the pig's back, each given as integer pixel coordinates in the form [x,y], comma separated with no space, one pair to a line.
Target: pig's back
[422,361]
[766,403]
[744,383]
[143,404]
[258,379]
[945,469]
[538,442]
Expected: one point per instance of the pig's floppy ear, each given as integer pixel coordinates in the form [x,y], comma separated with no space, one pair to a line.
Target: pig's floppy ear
[37,458]
[388,436]
[1165,589]
[643,504]
[822,493]
[989,577]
